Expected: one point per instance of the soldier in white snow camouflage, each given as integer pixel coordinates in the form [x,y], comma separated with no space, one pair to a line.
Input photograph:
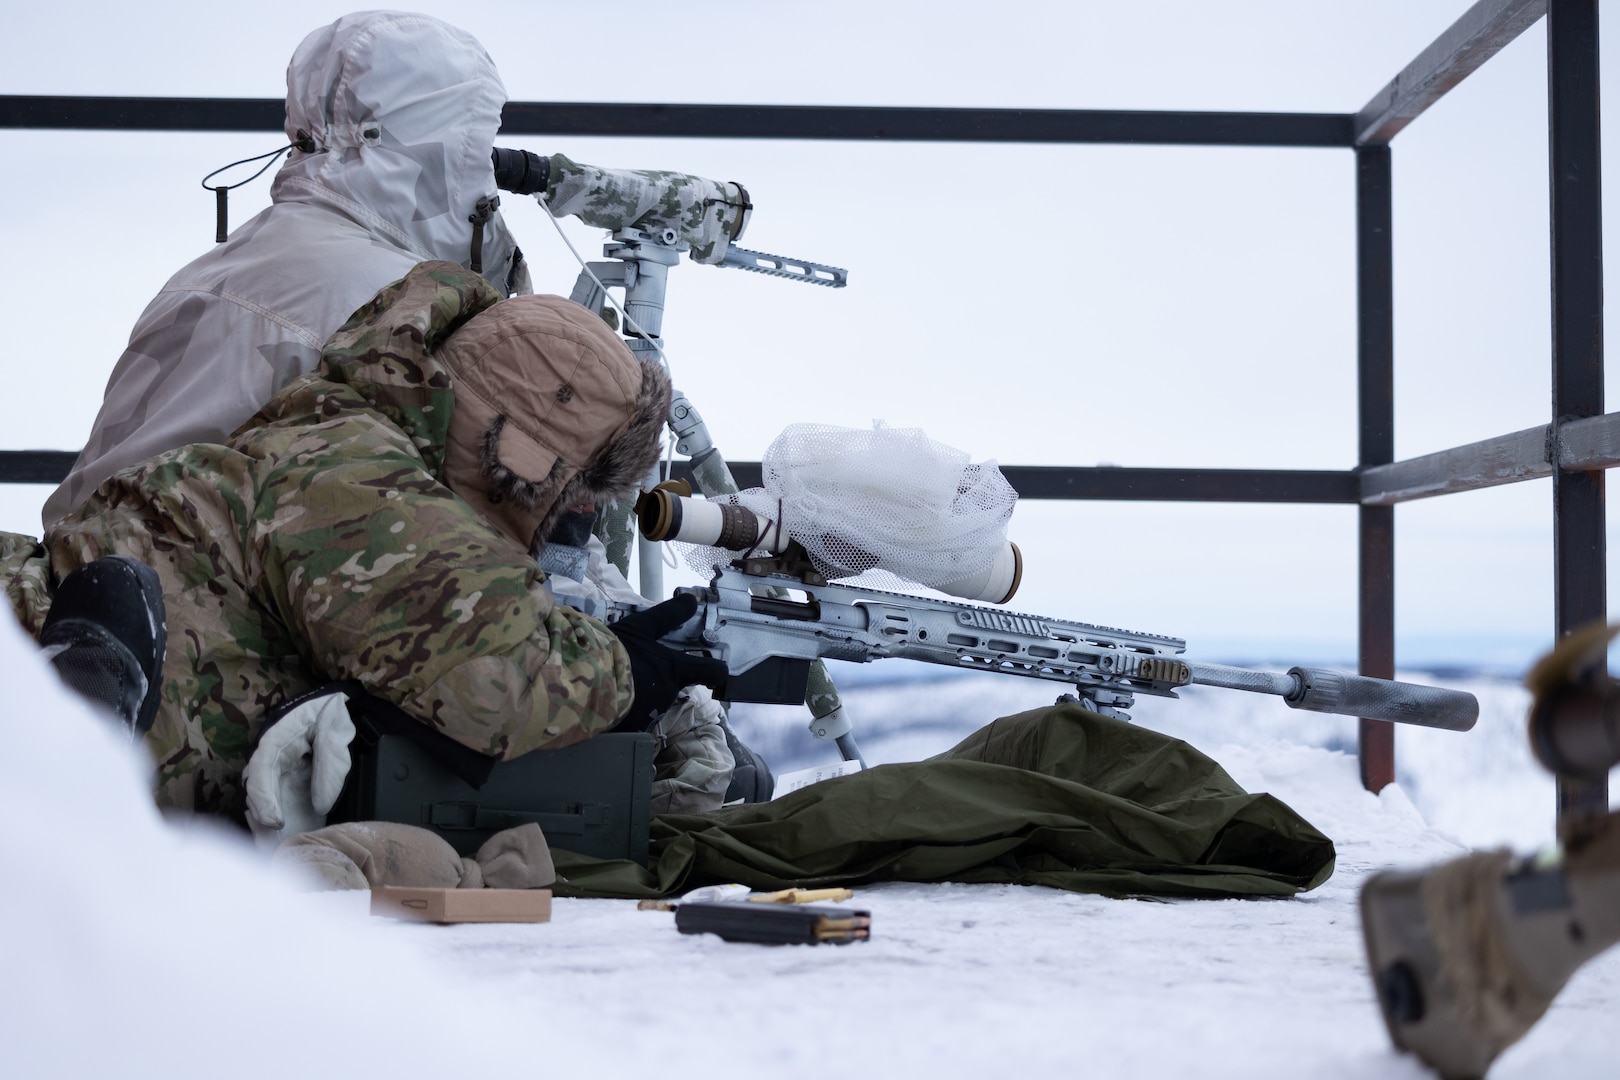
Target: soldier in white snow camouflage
[392,118]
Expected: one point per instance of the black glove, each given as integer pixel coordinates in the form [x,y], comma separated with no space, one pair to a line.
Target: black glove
[660,672]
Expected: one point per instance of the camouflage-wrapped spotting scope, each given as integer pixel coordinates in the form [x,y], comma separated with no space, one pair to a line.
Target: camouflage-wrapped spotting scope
[671,210]
[655,217]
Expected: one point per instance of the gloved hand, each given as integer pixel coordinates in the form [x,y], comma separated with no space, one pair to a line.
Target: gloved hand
[295,775]
[693,764]
[707,214]
[366,854]
[659,672]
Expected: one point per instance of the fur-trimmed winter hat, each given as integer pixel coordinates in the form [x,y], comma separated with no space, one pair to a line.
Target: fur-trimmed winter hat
[552,409]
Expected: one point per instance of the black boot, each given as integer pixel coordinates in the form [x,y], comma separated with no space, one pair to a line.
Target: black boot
[105,635]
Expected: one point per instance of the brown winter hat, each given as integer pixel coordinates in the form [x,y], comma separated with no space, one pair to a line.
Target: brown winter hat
[551,409]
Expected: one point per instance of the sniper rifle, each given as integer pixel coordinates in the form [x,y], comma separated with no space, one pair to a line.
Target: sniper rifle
[769,620]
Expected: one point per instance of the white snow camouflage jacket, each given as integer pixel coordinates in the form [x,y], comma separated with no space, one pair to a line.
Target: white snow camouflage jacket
[400,112]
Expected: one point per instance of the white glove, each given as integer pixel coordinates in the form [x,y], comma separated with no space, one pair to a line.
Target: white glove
[295,775]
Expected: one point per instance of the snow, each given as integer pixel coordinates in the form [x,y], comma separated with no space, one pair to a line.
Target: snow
[135,947]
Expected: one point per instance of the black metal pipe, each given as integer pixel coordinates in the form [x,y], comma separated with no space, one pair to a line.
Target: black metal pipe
[859,123]
[1030,481]
[1580,570]
[1375,407]
[864,123]
[36,466]
[1197,485]
[1479,34]
[79,113]
[1140,485]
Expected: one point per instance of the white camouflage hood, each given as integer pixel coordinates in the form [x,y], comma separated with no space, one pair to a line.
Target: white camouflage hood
[396,114]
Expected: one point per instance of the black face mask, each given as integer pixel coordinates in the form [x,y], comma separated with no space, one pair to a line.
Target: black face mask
[573,528]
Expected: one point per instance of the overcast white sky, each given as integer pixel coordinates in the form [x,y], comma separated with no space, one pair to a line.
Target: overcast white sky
[1036,305]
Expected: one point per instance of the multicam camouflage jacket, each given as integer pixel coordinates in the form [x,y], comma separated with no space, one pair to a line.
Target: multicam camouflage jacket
[319,544]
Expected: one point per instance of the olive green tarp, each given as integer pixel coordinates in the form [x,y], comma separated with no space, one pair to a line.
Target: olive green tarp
[1059,796]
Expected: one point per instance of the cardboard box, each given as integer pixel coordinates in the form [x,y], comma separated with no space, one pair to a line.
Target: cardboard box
[463,905]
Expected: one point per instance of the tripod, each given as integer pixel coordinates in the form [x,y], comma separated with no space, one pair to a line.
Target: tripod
[638,262]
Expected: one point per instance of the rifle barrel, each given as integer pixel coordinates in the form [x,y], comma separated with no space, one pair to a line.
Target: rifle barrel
[1328,691]
[1236,678]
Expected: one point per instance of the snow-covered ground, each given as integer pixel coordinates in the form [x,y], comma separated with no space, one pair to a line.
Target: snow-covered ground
[132,948]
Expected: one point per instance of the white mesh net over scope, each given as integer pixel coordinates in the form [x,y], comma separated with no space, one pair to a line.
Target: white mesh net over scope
[890,503]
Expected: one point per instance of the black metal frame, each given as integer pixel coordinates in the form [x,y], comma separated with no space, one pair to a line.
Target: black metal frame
[1575,448]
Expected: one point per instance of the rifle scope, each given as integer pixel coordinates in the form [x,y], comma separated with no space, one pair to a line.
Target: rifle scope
[520,171]
[664,515]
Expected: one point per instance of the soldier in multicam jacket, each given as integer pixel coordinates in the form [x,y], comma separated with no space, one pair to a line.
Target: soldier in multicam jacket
[377,521]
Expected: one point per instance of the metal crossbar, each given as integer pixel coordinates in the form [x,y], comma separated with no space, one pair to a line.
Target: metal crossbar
[821,122]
